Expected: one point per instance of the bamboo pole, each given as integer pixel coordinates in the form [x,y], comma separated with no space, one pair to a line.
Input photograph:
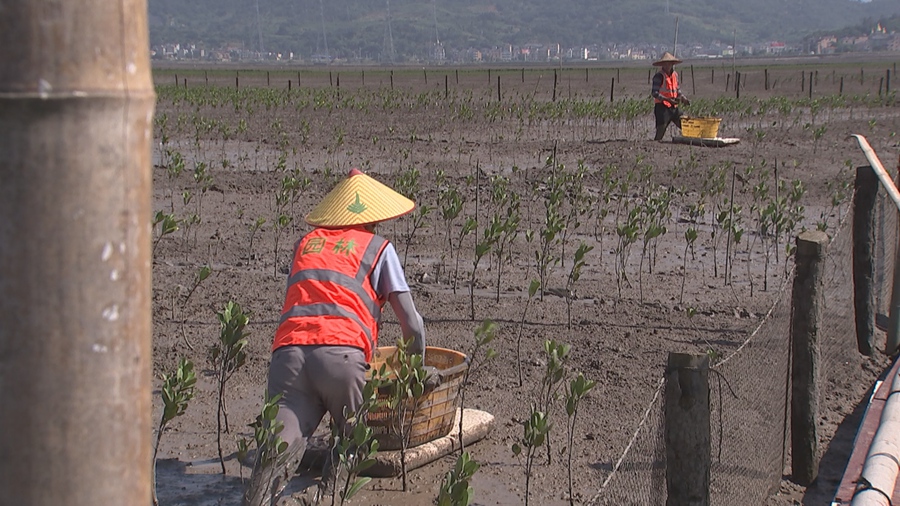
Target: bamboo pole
[76,107]
[879,474]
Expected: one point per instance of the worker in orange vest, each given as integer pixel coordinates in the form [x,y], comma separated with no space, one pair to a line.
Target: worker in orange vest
[666,95]
[341,276]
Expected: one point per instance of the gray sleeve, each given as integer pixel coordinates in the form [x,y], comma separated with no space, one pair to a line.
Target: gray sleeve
[387,276]
[411,323]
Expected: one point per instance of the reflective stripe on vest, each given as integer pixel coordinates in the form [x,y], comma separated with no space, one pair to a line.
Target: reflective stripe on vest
[331,279]
[668,89]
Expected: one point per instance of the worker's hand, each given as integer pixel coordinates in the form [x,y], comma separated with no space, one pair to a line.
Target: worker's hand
[684,101]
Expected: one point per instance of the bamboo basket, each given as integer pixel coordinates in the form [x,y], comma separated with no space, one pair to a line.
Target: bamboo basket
[435,411]
[703,128]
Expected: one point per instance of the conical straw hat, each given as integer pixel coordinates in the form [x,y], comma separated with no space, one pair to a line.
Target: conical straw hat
[358,200]
[667,57]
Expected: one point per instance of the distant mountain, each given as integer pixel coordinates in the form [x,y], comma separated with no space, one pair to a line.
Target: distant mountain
[370,28]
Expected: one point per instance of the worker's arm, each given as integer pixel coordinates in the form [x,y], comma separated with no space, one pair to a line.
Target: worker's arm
[411,324]
[389,282]
[657,84]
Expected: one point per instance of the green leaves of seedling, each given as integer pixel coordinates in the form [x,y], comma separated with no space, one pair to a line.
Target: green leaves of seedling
[455,489]
[177,390]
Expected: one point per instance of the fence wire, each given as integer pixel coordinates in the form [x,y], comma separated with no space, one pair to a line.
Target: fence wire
[749,389]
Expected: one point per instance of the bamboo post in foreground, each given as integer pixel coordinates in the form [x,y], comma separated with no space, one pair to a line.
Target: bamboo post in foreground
[866,191]
[76,108]
[687,430]
[807,299]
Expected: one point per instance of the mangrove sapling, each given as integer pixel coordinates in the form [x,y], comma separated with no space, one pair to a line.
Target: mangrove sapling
[549,234]
[509,230]
[482,248]
[467,228]
[455,489]
[418,218]
[574,276]
[580,206]
[627,233]
[226,357]
[168,224]
[407,388]
[271,471]
[451,205]
[554,373]
[177,390]
[255,227]
[355,447]
[690,237]
[199,277]
[577,389]
[536,429]
[483,337]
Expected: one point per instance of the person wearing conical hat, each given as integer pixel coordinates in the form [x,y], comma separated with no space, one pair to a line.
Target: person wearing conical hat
[666,95]
[341,275]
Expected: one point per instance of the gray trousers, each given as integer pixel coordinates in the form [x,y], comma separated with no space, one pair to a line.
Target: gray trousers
[315,380]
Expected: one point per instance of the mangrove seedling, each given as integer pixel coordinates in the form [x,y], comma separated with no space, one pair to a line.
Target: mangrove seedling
[407,388]
[177,390]
[532,289]
[455,489]
[226,357]
[199,277]
[483,337]
[577,389]
[536,429]
[574,276]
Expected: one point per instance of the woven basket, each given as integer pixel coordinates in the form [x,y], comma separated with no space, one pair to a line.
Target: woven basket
[435,411]
[704,128]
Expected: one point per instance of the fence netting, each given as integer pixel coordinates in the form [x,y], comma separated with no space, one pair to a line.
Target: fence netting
[749,389]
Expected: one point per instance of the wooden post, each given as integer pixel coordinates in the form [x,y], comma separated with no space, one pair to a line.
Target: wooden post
[206,76]
[555,77]
[766,73]
[289,85]
[176,80]
[693,83]
[446,86]
[727,81]
[887,81]
[268,79]
[330,79]
[841,90]
[864,214]
[586,75]
[76,130]
[687,430]
[802,81]
[712,75]
[806,299]
[363,77]
[649,75]
[810,84]
[880,86]
[498,88]
[425,73]
[612,89]
[523,74]
[737,85]
[457,76]
[392,80]
[338,79]
[861,79]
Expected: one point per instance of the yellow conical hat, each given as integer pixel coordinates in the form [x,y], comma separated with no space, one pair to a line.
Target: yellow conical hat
[358,200]
[667,57]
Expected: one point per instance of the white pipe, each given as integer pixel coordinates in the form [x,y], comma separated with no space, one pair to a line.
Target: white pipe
[879,474]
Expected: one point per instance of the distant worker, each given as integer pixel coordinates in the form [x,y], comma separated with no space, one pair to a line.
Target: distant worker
[666,95]
[341,276]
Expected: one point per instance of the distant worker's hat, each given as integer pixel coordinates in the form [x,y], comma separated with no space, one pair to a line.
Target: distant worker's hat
[667,57]
[358,200]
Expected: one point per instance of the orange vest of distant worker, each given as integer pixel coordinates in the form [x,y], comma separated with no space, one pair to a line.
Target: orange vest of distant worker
[330,299]
[668,89]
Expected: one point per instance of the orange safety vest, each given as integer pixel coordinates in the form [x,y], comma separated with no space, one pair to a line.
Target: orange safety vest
[668,89]
[330,299]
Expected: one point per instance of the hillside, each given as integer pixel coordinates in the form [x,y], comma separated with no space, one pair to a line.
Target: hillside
[364,28]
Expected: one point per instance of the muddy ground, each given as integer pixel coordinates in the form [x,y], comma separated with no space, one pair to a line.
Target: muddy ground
[446,125]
